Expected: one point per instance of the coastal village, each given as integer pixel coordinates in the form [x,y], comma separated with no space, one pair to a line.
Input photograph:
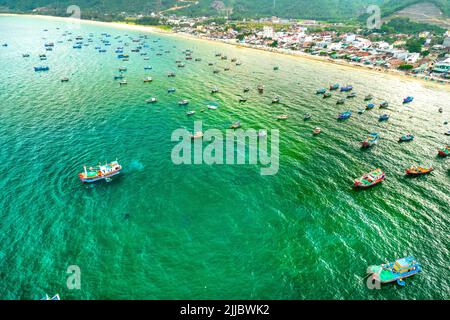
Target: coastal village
[325,40]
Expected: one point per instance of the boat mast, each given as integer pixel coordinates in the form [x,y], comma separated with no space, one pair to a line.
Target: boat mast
[85,171]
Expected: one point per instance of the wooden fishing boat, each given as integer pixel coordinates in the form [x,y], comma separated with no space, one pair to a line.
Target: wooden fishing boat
[100,172]
[236,125]
[306,116]
[368,97]
[407,137]
[183,102]
[282,117]
[197,135]
[327,95]
[334,86]
[151,100]
[395,271]
[190,113]
[344,115]
[372,139]
[444,152]
[276,100]
[384,104]
[321,91]
[418,170]
[260,88]
[316,131]
[148,79]
[340,101]
[384,117]
[370,179]
[65,79]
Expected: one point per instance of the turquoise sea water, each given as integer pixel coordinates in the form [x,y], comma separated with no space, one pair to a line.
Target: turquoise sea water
[161,231]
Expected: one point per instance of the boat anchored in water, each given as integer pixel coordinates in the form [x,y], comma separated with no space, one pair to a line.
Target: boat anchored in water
[395,271]
[407,137]
[408,99]
[100,172]
[344,115]
[418,170]
[370,179]
[444,152]
[372,139]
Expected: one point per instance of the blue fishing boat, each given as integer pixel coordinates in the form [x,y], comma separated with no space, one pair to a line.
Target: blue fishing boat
[408,99]
[372,139]
[118,77]
[122,56]
[321,91]
[370,106]
[148,68]
[384,104]
[347,88]
[344,115]
[406,138]
[334,86]
[395,271]
[77,46]
[100,172]
[41,68]
[384,117]
[171,90]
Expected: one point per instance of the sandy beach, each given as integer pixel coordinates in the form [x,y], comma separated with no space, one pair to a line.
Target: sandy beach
[442,84]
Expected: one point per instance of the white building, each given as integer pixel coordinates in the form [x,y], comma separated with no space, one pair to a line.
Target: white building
[447,42]
[268,32]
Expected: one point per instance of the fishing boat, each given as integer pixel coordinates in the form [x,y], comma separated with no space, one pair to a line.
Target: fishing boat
[351,95]
[444,152]
[276,68]
[123,69]
[361,111]
[100,172]
[238,63]
[327,95]
[65,79]
[171,90]
[118,77]
[246,89]
[447,133]
[197,135]
[407,137]
[236,125]
[344,115]
[148,79]
[370,179]
[368,97]
[183,102]
[56,297]
[316,131]
[347,88]
[226,69]
[210,64]
[123,56]
[123,82]
[171,74]
[370,106]
[408,99]
[260,88]
[418,170]
[216,71]
[148,68]
[321,91]
[306,116]
[340,101]
[384,117]
[262,133]
[181,65]
[440,110]
[41,68]
[151,100]
[190,113]
[282,117]
[384,104]
[242,99]
[334,86]
[395,271]
[276,100]
[25,55]
[212,107]
[372,139]
[214,90]
[198,59]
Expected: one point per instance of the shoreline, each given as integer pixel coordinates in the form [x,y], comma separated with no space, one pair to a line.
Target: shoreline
[439,83]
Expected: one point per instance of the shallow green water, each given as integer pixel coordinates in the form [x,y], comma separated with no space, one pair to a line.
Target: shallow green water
[161,231]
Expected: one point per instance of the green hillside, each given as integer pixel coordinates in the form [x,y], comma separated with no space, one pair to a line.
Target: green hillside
[339,10]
